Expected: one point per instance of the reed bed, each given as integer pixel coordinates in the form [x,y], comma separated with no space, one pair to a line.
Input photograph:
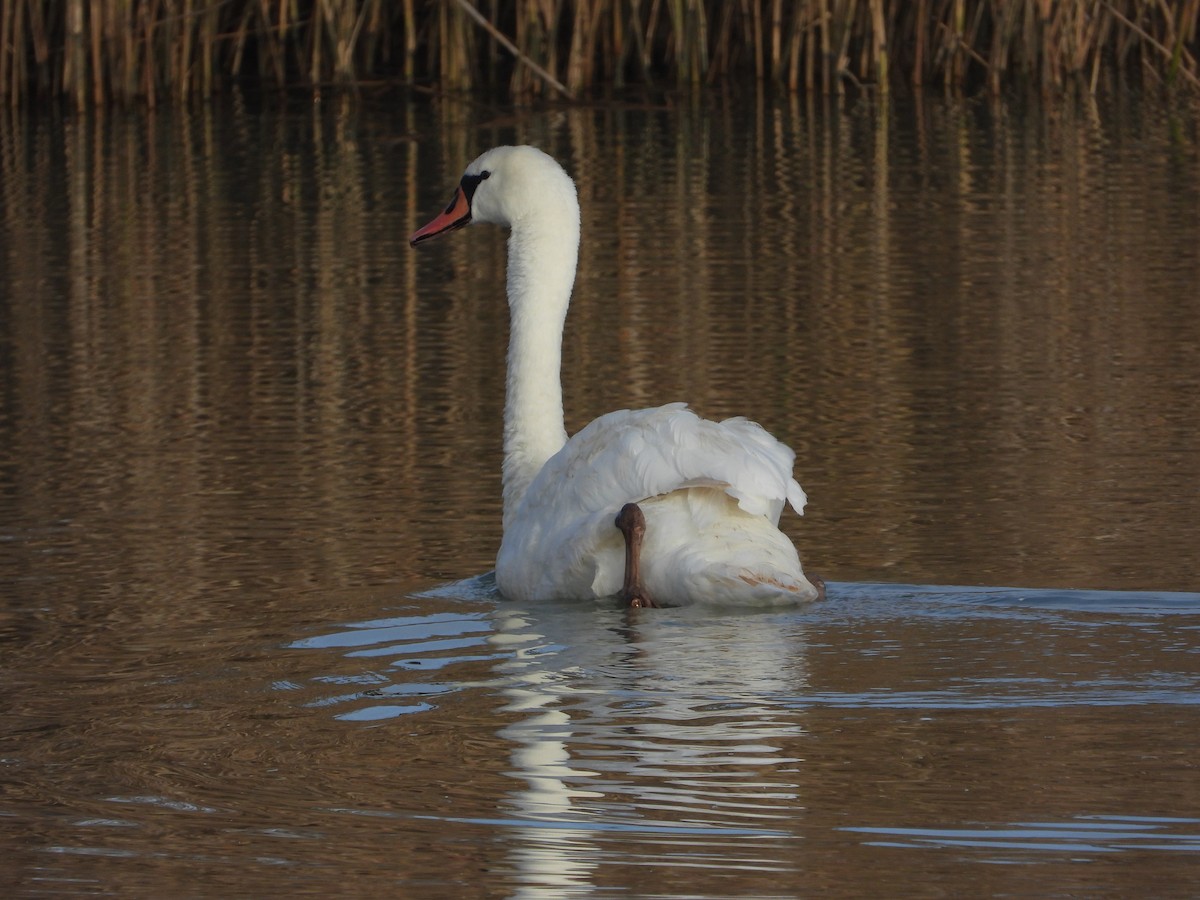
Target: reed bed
[99,51]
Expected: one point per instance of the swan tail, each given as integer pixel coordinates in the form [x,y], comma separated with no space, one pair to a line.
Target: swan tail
[701,547]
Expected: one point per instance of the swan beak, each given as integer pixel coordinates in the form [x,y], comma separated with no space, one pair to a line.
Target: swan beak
[453,217]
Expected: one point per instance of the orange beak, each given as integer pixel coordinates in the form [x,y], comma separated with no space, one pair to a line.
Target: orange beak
[454,216]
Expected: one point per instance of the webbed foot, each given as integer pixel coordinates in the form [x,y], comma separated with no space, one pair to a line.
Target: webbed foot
[632,523]
[819,583]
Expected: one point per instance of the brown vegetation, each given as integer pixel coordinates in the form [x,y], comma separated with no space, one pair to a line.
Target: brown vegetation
[96,51]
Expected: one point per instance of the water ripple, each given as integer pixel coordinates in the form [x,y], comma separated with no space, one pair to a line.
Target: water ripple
[1081,835]
[682,737]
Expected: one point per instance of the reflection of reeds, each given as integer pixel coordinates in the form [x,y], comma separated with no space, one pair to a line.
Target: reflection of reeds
[115,49]
[293,374]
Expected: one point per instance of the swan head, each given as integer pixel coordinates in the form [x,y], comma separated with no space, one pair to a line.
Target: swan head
[508,186]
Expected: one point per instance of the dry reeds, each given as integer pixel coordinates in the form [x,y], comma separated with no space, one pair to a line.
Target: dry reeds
[122,50]
[105,50]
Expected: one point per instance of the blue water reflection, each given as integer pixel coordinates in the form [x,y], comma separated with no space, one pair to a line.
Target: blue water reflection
[1083,834]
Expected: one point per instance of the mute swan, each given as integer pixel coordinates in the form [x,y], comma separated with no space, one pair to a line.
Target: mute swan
[656,506]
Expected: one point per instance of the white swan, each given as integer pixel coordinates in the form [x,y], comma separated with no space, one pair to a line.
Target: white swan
[657,506]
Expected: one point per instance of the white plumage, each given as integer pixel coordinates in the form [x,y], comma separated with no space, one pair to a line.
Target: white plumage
[711,492]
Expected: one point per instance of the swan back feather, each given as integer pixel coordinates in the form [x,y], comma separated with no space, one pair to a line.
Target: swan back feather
[633,455]
[562,541]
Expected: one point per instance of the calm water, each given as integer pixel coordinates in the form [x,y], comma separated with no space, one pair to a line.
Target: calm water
[249,495]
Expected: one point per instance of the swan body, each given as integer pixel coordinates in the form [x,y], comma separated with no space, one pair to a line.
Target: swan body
[711,492]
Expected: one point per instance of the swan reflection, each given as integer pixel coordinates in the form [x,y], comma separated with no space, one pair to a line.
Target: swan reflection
[664,728]
[648,737]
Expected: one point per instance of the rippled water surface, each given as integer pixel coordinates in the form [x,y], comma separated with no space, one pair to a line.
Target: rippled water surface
[249,499]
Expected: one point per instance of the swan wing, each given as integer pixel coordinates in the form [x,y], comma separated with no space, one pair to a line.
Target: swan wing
[563,540]
[633,455]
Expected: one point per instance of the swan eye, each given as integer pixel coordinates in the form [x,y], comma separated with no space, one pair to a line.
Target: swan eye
[470,182]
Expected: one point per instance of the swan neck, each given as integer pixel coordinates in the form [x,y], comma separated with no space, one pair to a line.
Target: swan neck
[542,259]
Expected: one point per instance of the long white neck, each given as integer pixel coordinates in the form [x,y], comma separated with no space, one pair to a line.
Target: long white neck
[542,254]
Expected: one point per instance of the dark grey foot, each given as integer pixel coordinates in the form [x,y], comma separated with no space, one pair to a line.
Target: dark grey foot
[819,583]
[632,523]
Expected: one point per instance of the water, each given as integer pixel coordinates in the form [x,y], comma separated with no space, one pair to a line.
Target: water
[249,454]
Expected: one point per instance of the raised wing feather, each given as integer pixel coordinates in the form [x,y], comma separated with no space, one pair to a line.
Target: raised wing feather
[634,455]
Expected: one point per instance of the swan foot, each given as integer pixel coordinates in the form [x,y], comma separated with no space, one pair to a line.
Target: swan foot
[819,583]
[632,523]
